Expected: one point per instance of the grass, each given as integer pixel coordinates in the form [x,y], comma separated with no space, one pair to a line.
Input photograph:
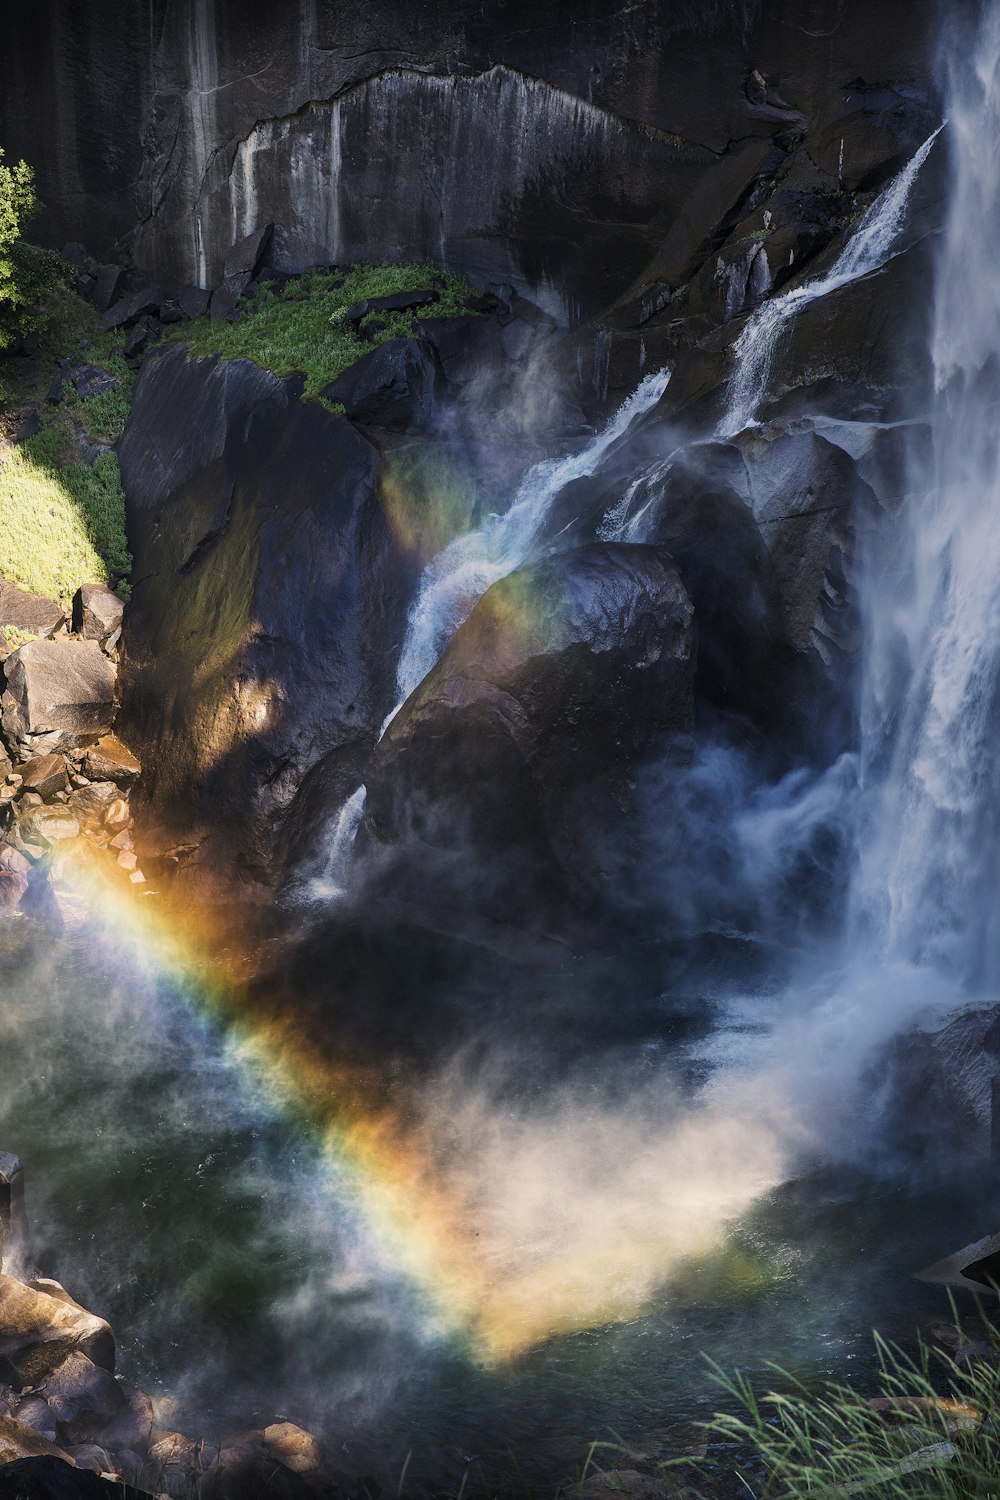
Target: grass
[300,328]
[62,521]
[933,1435]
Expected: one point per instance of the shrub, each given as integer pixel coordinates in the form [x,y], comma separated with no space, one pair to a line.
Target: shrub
[27,273]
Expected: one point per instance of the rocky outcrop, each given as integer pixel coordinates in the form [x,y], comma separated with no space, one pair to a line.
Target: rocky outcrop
[484,797]
[563,146]
[270,601]
[58,695]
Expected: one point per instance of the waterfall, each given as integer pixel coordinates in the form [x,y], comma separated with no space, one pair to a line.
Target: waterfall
[869,247]
[928,871]
[459,576]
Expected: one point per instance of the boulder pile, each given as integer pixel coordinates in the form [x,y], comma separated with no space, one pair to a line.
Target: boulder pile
[65,1416]
[64,775]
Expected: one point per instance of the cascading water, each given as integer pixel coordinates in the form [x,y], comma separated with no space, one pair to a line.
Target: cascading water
[869,247]
[459,576]
[925,892]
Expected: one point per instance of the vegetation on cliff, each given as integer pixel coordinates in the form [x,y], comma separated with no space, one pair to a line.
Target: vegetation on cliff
[27,273]
[62,517]
[301,327]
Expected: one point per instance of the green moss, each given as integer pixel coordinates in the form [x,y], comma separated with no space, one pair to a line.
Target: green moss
[301,328]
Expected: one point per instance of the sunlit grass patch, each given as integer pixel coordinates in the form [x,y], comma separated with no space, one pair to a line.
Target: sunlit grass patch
[300,327]
[62,527]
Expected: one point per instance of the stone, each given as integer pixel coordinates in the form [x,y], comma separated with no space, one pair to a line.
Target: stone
[292,1446]
[392,387]
[58,694]
[171,311]
[29,426]
[117,814]
[91,380]
[178,1459]
[29,613]
[122,840]
[82,1397]
[130,308]
[91,1456]
[627,1484]
[127,860]
[89,804]
[46,775]
[393,302]
[193,301]
[54,394]
[57,1477]
[315,587]
[246,255]
[18,1441]
[225,299]
[476,789]
[47,825]
[109,760]
[13,886]
[97,612]
[139,336]
[109,286]
[75,254]
[35,1413]
[131,1425]
[39,1331]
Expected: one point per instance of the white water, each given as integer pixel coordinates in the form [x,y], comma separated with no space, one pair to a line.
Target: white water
[459,576]
[927,882]
[869,247]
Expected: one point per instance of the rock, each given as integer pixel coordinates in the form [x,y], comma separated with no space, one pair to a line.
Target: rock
[392,387]
[54,394]
[90,804]
[132,1424]
[29,426]
[38,1331]
[35,1413]
[47,826]
[139,336]
[83,1398]
[467,349]
[90,1456]
[56,1477]
[394,302]
[224,303]
[171,311]
[257,521]
[18,1440]
[110,761]
[175,1462]
[46,775]
[133,306]
[247,1469]
[91,380]
[194,301]
[58,695]
[116,814]
[97,612]
[109,286]
[476,790]
[292,1446]
[29,613]
[246,256]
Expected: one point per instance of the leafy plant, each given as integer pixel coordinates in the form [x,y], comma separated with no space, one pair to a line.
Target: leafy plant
[27,273]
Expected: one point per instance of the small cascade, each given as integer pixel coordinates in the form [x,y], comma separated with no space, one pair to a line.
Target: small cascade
[459,576]
[869,247]
[333,882]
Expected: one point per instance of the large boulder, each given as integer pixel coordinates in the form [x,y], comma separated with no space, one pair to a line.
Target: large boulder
[38,1330]
[59,694]
[27,614]
[392,387]
[270,601]
[490,791]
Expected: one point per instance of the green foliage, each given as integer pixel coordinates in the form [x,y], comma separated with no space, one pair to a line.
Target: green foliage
[60,526]
[14,637]
[27,273]
[930,1437]
[300,328]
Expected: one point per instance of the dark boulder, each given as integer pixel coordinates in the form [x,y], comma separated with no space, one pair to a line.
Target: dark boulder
[91,380]
[133,306]
[270,602]
[193,301]
[29,426]
[394,302]
[485,796]
[246,256]
[392,387]
[51,1478]
[97,612]
[109,286]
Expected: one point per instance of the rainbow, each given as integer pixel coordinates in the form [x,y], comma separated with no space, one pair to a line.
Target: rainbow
[497,1276]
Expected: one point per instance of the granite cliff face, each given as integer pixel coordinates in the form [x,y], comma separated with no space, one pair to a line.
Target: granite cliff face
[551,147]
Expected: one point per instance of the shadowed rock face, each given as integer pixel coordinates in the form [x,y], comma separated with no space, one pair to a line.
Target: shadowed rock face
[553,146]
[270,600]
[484,796]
